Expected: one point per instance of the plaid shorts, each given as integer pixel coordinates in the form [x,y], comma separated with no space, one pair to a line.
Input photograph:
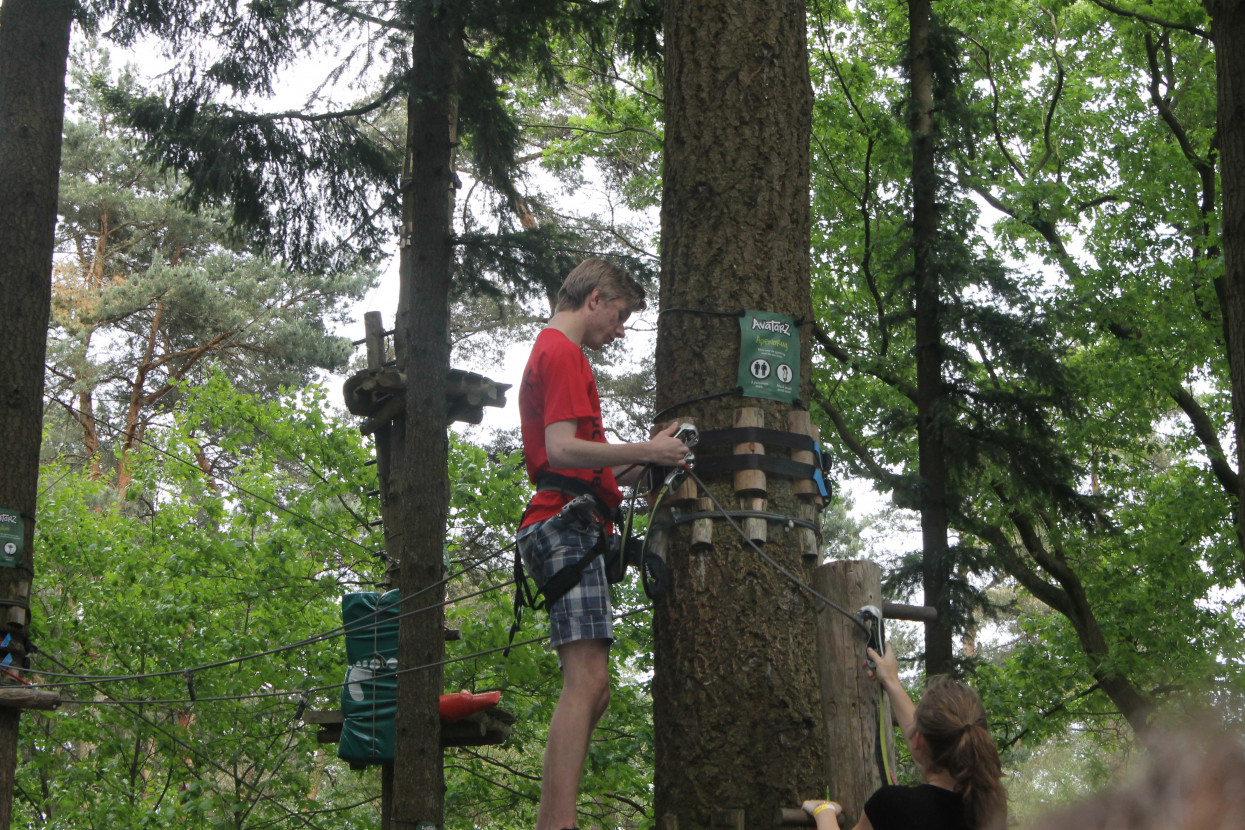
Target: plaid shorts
[584,612]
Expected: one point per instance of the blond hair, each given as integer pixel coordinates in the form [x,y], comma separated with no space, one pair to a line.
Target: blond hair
[952,720]
[591,274]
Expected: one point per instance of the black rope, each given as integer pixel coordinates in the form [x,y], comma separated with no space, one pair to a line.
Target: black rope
[354,627]
[738,390]
[708,312]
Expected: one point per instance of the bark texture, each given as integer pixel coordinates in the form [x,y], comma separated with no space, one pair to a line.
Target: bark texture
[419,488]
[930,393]
[1228,33]
[34,49]
[736,699]
[850,700]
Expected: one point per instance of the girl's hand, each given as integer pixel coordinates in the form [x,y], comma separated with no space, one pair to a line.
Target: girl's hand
[886,666]
[812,804]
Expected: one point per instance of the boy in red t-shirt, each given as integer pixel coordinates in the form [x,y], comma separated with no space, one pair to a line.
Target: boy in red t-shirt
[560,416]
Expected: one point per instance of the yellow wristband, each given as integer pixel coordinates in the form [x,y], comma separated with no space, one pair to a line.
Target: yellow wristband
[817,810]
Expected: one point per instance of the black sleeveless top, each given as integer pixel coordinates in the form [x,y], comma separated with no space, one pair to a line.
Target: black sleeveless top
[923,807]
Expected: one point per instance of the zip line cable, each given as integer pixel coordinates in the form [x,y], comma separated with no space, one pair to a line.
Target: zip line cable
[300,692]
[330,687]
[277,505]
[127,706]
[356,626]
[226,480]
[884,760]
[798,582]
[341,630]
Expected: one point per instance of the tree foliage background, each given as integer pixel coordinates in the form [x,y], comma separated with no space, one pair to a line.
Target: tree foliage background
[1097,553]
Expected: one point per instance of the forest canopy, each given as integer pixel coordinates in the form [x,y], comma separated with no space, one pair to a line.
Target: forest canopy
[204,502]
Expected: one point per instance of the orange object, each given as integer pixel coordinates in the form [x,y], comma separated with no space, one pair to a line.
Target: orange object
[458,705]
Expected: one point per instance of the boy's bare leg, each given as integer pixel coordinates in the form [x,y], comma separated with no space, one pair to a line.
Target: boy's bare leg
[585,694]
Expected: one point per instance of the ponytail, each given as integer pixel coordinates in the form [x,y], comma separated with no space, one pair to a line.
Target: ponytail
[952,720]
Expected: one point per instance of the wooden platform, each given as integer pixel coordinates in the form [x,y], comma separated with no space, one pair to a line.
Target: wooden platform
[490,726]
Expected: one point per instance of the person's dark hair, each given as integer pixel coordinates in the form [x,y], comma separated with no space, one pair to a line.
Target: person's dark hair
[952,721]
[590,274]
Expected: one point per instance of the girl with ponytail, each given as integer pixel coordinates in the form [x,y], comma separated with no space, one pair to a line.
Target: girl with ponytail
[950,742]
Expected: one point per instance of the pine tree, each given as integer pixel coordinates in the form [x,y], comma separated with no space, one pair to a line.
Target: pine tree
[733,639]
[147,295]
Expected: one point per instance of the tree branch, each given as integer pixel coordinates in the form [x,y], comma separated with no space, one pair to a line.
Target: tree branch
[836,351]
[241,117]
[1157,21]
[355,14]
[1063,704]
[640,130]
[1204,431]
[1054,98]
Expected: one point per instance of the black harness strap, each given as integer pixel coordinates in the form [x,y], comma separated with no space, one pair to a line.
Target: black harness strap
[550,481]
[759,435]
[785,467]
[577,490]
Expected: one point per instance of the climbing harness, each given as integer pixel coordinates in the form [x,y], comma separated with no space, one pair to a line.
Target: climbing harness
[615,540]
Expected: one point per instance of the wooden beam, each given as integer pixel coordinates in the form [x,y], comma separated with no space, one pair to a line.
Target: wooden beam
[915,613]
[849,698]
[21,697]
[794,817]
[485,728]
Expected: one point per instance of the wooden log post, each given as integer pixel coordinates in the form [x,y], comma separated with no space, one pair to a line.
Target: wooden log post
[702,529]
[799,421]
[809,548]
[23,697]
[850,700]
[793,817]
[374,339]
[750,485]
[382,436]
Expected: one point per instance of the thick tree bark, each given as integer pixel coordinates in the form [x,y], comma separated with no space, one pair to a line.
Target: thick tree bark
[1228,33]
[419,484]
[735,689]
[932,461]
[34,50]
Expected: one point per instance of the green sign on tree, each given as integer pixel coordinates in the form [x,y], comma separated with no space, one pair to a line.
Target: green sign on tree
[769,356]
[12,535]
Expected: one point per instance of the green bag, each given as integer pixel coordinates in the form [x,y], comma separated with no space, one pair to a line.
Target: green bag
[369,698]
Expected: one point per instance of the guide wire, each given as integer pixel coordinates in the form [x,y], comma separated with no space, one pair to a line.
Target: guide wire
[225,479]
[318,638]
[333,686]
[795,579]
[128,707]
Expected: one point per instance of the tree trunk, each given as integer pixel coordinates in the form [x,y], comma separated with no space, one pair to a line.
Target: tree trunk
[34,50]
[850,700]
[735,691]
[418,474]
[932,462]
[1228,31]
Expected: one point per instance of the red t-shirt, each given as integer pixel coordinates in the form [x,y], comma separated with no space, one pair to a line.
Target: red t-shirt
[558,386]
